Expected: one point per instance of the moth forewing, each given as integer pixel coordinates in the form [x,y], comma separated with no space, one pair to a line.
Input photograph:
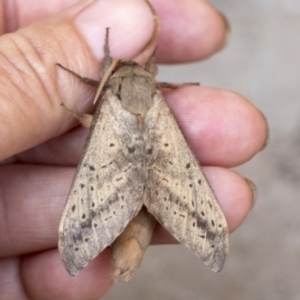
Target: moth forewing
[181,197]
[107,188]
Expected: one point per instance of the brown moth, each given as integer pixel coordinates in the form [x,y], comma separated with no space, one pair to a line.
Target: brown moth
[136,168]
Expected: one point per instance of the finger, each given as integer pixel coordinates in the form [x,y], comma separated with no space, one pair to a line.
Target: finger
[29,90]
[191,30]
[10,284]
[223,129]
[45,278]
[202,31]
[34,196]
[21,13]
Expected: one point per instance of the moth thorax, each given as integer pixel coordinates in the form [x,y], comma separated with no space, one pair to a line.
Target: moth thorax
[136,94]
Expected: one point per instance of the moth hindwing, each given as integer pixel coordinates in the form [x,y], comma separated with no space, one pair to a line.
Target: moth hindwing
[136,156]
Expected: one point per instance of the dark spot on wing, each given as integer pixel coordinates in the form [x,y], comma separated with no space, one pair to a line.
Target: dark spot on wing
[210,235]
[190,185]
[93,214]
[199,181]
[93,204]
[129,167]
[131,149]
[194,224]
[111,145]
[83,216]
[150,151]
[166,145]
[201,223]
[92,168]
[82,185]
[77,237]
[95,225]
[202,213]
[188,165]
[73,208]
[86,239]
[76,249]
[157,169]
[213,223]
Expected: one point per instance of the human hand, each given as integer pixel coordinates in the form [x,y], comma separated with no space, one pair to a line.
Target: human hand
[223,129]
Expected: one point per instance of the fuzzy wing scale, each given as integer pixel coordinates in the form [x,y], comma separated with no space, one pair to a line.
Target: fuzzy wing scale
[181,198]
[105,194]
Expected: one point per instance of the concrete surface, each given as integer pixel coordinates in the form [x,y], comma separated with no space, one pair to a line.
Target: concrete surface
[261,62]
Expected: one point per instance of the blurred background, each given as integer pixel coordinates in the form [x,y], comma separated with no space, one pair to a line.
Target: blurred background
[261,62]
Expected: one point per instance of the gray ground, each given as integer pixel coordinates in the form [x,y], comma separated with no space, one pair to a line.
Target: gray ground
[261,62]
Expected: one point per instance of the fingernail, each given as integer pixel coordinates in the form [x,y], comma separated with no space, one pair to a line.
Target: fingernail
[253,190]
[130,24]
[227,29]
[267,134]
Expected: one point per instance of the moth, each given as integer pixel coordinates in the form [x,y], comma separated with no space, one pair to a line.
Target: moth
[137,168]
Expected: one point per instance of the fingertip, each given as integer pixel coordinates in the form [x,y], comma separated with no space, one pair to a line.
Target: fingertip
[45,277]
[126,38]
[222,127]
[233,193]
[189,32]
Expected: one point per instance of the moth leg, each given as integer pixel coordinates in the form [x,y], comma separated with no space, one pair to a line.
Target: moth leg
[151,66]
[150,47]
[83,79]
[168,85]
[85,119]
[129,248]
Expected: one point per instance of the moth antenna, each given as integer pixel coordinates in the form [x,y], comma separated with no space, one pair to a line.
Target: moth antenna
[105,79]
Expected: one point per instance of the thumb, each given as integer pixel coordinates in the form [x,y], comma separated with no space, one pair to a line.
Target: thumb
[32,87]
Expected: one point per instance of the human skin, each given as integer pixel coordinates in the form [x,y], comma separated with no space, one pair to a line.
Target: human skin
[41,143]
